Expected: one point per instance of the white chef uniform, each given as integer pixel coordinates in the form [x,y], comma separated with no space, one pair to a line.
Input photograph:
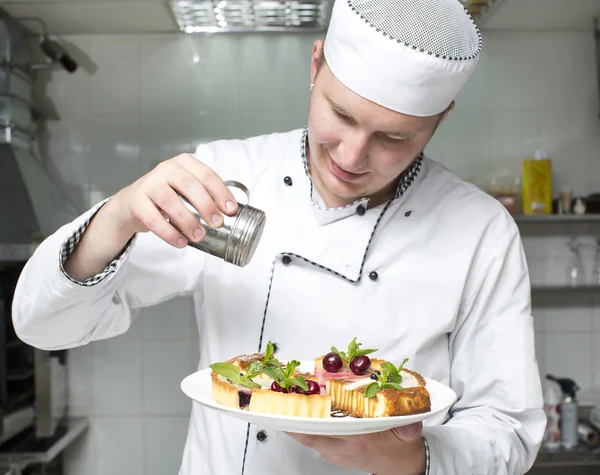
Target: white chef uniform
[437,275]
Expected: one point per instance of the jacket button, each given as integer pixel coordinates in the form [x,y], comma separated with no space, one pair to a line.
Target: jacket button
[288,181]
[361,210]
[275,348]
[261,436]
[286,260]
[373,275]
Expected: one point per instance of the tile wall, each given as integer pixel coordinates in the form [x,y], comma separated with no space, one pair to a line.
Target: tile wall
[138,100]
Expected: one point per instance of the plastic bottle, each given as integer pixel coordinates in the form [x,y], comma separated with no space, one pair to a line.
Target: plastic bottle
[568,412]
[552,400]
[537,184]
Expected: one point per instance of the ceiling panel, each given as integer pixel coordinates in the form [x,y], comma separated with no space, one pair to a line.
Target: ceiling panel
[544,15]
[96,16]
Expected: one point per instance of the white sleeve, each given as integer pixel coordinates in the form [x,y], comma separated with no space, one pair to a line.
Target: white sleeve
[53,311]
[497,424]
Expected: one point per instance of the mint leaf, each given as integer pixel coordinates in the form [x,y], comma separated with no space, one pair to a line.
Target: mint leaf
[371,390]
[247,382]
[341,354]
[295,381]
[392,386]
[290,367]
[352,349]
[402,365]
[269,352]
[227,370]
[273,372]
[254,369]
[363,352]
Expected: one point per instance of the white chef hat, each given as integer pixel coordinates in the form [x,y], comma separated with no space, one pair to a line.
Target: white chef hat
[411,56]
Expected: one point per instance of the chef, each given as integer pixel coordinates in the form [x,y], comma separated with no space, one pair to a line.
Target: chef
[366,237]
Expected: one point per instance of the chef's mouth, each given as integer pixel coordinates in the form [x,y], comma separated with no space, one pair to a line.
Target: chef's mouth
[343,174]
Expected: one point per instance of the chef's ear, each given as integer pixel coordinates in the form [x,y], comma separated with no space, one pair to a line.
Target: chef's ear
[317,60]
[446,112]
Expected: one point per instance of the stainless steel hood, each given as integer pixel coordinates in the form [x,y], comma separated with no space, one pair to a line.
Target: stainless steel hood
[32,206]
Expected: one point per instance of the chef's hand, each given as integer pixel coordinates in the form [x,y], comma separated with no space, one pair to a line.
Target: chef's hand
[399,451]
[140,204]
[145,206]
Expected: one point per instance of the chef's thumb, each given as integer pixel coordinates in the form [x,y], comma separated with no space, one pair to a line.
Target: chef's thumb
[408,433]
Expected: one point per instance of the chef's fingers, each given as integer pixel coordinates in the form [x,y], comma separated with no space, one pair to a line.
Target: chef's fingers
[170,204]
[188,185]
[147,213]
[409,432]
[213,183]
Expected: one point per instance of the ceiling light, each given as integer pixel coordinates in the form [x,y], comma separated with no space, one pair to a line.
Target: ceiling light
[198,16]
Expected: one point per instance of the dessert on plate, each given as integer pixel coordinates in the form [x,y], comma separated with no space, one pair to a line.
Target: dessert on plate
[343,383]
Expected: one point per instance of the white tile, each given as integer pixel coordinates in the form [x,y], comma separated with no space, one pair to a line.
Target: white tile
[476,92]
[569,138]
[512,70]
[195,353]
[164,439]
[64,147]
[275,74]
[119,445]
[255,123]
[573,85]
[168,321]
[539,320]
[114,151]
[79,457]
[569,355]
[596,363]
[67,93]
[166,136]
[596,313]
[80,369]
[115,86]
[568,319]
[166,364]
[194,74]
[117,382]
[467,157]
[514,135]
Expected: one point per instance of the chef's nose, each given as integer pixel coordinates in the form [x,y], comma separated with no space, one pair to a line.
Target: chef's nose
[354,151]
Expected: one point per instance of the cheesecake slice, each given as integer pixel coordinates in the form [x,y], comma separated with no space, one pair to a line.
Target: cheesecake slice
[291,404]
[236,395]
[348,397]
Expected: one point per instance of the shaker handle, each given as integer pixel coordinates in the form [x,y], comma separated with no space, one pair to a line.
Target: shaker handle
[237,184]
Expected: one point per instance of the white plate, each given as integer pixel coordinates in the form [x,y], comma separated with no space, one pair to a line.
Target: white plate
[198,386]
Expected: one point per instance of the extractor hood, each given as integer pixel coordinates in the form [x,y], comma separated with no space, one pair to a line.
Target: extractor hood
[32,206]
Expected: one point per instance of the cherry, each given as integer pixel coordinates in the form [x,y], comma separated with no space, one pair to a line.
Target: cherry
[313,388]
[332,362]
[360,364]
[278,389]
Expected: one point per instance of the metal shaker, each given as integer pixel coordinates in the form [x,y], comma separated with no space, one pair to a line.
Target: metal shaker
[237,239]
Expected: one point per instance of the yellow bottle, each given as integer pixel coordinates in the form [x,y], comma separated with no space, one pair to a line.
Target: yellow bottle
[537,184]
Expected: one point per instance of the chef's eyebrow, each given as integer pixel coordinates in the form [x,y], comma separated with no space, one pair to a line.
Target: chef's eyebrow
[340,110]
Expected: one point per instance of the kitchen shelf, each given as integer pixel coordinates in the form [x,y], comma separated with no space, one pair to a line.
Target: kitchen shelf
[558,225]
[564,296]
[581,456]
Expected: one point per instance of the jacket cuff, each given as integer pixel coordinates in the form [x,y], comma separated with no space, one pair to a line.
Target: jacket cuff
[427,456]
[70,244]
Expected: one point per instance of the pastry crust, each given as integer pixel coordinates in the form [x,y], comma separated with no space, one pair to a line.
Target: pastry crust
[387,403]
[290,404]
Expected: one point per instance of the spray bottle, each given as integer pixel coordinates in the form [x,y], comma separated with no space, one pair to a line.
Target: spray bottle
[568,412]
[552,401]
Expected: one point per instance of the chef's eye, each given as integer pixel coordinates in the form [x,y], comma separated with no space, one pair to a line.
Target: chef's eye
[344,117]
[389,139]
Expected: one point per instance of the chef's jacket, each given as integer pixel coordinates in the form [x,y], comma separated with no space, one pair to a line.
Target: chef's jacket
[437,274]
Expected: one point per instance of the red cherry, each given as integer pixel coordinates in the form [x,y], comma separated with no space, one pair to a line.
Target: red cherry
[332,362]
[360,364]
[278,389]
